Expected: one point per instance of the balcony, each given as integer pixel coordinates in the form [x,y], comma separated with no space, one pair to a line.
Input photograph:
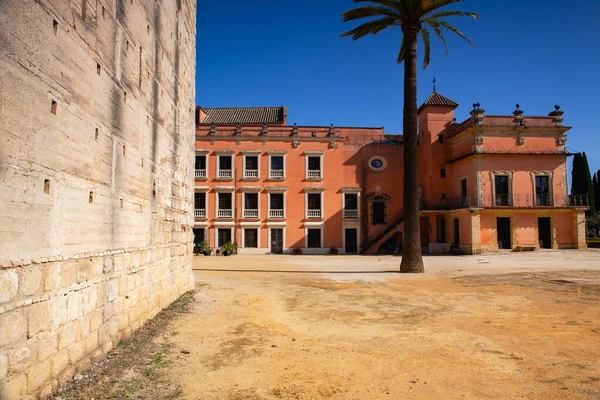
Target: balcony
[225,174]
[200,174]
[200,213]
[314,174]
[276,174]
[224,213]
[516,201]
[350,214]
[313,214]
[275,213]
[251,173]
[250,213]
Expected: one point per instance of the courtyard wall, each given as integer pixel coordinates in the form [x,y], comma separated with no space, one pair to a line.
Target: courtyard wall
[96,187]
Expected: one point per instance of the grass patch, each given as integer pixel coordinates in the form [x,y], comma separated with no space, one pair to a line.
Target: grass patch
[137,367]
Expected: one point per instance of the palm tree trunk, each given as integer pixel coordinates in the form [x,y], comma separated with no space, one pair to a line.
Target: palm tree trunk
[412,260]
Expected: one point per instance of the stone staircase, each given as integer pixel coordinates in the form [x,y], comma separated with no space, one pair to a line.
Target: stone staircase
[383,234]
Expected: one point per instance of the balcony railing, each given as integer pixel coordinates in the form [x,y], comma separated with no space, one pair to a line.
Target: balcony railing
[250,213]
[276,174]
[224,213]
[516,201]
[314,174]
[200,213]
[351,214]
[200,173]
[225,174]
[251,173]
[313,214]
[275,213]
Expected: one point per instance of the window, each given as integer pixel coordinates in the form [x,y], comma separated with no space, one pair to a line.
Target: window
[250,205]
[46,186]
[199,205]
[55,26]
[225,209]
[378,212]
[223,236]
[441,138]
[463,187]
[200,166]
[251,238]
[502,193]
[276,205]
[199,236]
[542,190]
[377,163]
[314,167]
[313,205]
[442,173]
[251,167]
[225,167]
[277,167]
[443,196]
[98,68]
[350,205]
[53,107]
[313,238]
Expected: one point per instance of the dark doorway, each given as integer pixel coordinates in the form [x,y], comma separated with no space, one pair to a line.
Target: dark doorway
[351,240]
[378,217]
[223,236]
[313,238]
[198,238]
[502,197]
[542,191]
[545,233]
[456,232]
[441,228]
[277,241]
[503,227]
[251,238]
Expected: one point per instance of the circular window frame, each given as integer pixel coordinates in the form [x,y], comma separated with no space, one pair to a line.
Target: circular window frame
[383,160]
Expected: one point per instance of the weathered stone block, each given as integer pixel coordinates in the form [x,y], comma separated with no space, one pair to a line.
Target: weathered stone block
[59,312]
[66,336]
[3,366]
[19,359]
[13,326]
[9,283]
[39,318]
[30,280]
[46,344]
[90,299]
[39,374]
[15,387]
[74,305]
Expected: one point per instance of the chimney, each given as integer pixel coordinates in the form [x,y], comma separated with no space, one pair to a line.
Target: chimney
[285,114]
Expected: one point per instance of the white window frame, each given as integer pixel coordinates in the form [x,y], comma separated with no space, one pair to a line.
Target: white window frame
[225,153]
[355,191]
[275,191]
[205,153]
[243,244]
[550,175]
[246,190]
[202,189]
[251,153]
[319,227]
[318,154]
[278,153]
[216,228]
[320,193]
[224,189]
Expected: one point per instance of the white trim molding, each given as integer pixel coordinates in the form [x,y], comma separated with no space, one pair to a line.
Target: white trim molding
[314,175]
[272,154]
[251,153]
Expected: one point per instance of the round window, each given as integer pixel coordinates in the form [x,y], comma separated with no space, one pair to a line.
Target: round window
[377,163]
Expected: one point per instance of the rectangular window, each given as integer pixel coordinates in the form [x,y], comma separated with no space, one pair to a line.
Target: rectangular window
[314,201]
[251,167]
[441,138]
[314,163]
[223,236]
[378,212]
[463,187]
[198,237]
[276,205]
[250,205]
[201,162]
[225,167]
[351,201]
[314,238]
[442,173]
[200,201]
[251,238]
[225,205]
[542,190]
[501,185]
[276,167]
[225,162]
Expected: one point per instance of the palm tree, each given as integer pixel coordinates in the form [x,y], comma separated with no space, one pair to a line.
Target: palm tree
[412,17]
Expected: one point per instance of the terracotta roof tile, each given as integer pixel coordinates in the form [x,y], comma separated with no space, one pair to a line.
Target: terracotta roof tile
[244,115]
[437,99]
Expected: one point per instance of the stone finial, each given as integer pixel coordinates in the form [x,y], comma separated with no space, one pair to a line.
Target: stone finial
[331,130]
[264,131]
[295,130]
[478,114]
[519,119]
[213,129]
[558,115]
[238,130]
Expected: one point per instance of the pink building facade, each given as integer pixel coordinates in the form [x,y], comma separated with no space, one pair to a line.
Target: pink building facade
[489,183]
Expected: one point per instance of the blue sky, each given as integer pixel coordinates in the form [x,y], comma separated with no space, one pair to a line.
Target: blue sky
[532,52]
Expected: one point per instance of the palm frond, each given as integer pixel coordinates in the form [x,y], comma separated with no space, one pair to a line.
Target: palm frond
[452,13]
[402,53]
[426,38]
[371,28]
[446,25]
[436,26]
[369,11]
[428,6]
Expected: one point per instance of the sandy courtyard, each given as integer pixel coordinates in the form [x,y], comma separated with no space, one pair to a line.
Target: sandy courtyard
[340,327]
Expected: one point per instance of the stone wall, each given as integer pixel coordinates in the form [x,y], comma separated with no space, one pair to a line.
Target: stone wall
[96,188]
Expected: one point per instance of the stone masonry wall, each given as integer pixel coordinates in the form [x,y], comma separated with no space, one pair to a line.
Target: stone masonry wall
[96,188]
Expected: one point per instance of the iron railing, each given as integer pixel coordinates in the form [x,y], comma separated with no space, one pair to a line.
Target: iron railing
[515,201]
[350,214]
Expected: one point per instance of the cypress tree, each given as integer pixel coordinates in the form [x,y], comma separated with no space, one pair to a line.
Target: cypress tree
[596,185]
[589,188]
[578,175]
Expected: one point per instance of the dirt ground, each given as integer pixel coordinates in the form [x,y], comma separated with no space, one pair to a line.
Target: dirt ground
[503,326]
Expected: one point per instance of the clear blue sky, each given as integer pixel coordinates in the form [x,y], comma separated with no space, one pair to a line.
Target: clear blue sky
[532,52]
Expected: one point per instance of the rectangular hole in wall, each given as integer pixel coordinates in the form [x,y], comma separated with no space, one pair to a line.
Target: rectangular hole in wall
[121,203]
[54,107]
[103,11]
[96,134]
[142,163]
[124,149]
[91,199]
[46,186]
[98,68]
[125,97]
[141,208]
[55,26]
[148,29]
